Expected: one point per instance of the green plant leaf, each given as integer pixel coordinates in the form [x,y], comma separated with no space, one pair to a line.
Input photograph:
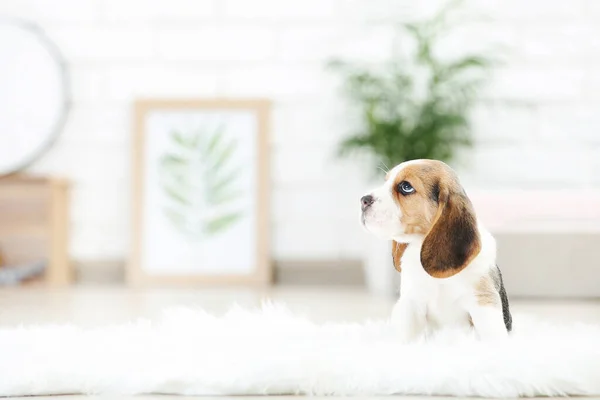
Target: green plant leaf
[179,139]
[222,155]
[214,141]
[172,160]
[177,194]
[225,197]
[222,186]
[218,224]
[175,217]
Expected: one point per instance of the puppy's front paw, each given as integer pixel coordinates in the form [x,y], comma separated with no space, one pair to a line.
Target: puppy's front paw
[492,335]
[489,323]
[405,335]
[404,323]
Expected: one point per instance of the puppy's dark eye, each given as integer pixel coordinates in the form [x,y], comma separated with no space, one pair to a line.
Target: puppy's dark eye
[405,188]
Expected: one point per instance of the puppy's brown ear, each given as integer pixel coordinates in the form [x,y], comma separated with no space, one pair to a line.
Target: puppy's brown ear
[397,252]
[453,240]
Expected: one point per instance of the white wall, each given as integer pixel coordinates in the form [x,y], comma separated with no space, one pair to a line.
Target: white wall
[539,124]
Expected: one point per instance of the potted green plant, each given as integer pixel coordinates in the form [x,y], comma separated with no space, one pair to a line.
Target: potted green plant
[409,108]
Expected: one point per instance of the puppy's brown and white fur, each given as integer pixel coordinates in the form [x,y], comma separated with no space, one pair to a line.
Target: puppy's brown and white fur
[446,258]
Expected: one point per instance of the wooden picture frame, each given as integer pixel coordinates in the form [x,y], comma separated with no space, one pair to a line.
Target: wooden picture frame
[148,112]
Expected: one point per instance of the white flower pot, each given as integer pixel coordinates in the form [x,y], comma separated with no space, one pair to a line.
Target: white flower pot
[381,277]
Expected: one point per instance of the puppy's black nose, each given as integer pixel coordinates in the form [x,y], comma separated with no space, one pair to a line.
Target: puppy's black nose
[366,201]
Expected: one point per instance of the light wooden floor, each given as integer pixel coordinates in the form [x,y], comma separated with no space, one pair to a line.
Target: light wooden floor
[92,306]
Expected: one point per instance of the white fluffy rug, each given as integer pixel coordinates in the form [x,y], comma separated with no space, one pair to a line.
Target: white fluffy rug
[274,352]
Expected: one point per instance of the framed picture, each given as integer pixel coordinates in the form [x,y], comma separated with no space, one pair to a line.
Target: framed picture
[200,195]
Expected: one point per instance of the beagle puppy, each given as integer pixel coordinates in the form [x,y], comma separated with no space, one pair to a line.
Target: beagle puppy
[446,258]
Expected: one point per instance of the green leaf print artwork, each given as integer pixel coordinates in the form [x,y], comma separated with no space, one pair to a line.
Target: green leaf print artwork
[200,183]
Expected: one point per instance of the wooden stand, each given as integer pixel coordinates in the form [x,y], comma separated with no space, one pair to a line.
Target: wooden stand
[34,224]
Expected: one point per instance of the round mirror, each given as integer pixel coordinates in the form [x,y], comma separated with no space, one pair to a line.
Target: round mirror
[33,94]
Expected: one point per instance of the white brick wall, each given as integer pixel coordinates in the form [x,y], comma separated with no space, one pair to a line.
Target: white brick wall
[538,126]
